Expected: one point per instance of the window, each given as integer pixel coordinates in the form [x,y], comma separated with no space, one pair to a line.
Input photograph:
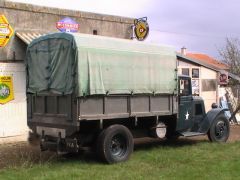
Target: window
[195,73]
[95,32]
[184,87]
[209,85]
[185,71]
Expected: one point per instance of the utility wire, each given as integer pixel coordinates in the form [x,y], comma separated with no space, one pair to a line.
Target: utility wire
[190,34]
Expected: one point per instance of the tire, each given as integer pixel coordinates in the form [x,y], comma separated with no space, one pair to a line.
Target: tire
[219,130]
[115,144]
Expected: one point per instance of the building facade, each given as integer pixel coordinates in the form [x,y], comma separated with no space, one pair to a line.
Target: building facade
[34,19]
[31,21]
[205,72]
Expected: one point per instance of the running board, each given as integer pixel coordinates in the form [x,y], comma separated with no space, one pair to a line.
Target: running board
[190,134]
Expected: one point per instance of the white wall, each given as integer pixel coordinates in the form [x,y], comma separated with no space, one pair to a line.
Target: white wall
[209,96]
[13,115]
[208,73]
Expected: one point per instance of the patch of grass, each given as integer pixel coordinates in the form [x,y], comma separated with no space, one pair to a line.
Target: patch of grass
[184,159]
[22,155]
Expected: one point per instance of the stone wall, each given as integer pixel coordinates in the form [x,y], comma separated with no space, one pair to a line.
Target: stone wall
[43,19]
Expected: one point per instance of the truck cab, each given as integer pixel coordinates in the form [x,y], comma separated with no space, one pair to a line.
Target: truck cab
[191,108]
[192,117]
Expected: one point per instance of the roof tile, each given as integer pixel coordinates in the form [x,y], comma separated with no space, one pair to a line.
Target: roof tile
[208,60]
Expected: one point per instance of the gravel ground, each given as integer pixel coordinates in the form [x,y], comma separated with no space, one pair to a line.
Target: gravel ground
[24,155]
[234,133]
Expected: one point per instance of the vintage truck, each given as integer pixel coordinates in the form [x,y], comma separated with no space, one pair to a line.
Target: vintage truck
[87,91]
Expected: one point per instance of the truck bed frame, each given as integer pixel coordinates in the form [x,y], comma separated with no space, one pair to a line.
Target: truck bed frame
[67,111]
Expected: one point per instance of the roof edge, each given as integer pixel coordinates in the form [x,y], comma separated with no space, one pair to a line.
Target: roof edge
[234,76]
[64,12]
[198,62]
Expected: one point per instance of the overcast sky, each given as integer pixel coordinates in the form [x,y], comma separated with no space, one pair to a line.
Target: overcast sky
[199,25]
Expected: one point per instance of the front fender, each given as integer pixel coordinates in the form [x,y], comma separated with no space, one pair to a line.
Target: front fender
[209,118]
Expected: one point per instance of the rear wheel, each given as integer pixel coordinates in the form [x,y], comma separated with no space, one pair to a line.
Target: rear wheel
[219,130]
[115,144]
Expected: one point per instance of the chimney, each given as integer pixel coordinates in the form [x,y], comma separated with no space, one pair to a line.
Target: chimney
[184,51]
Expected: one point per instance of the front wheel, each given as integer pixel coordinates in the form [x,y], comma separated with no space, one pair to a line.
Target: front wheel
[219,130]
[115,144]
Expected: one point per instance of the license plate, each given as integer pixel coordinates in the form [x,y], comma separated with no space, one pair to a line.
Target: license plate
[71,145]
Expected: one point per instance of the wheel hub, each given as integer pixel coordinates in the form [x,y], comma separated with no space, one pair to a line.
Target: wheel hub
[118,145]
[220,129]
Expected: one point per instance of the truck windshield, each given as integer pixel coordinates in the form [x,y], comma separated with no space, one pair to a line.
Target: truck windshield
[184,87]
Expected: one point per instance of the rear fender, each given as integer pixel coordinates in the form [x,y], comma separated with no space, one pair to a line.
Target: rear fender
[209,118]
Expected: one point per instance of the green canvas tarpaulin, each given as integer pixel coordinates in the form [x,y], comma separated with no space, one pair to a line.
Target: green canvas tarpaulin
[88,65]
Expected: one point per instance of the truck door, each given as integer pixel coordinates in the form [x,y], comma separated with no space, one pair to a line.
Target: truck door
[185,116]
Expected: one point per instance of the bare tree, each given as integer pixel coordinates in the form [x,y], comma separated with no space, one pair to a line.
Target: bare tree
[230,54]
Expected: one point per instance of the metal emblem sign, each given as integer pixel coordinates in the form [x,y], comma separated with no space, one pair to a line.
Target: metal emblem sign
[141,28]
[6,31]
[223,78]
[6,89]
[67,25]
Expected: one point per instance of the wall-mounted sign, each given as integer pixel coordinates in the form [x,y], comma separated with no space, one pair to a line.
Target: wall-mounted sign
[67,25]
[6,89]
[223,78]
[141,28]
[6,31]
[195,87]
